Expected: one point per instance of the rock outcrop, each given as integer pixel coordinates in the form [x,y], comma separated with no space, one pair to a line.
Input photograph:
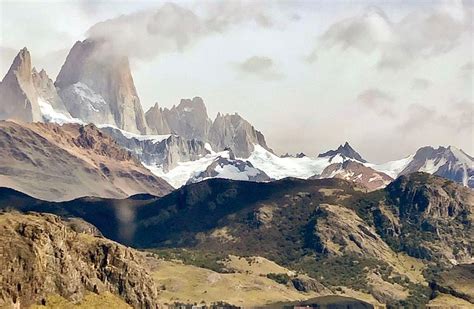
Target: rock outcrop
[97,86]
[41,255]
[19,99]
[340,231]
[54,162]
[433,218]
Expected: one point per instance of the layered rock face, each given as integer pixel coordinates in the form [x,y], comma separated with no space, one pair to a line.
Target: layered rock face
[41,255]
[73,161]
[98,87]
[358,173]
[236,133]
[19,99]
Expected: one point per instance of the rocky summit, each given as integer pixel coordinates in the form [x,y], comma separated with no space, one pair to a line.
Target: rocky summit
[97,86]
[345,151]
[18,92]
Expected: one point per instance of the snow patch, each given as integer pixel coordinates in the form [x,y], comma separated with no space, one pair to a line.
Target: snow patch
[151,137]
[431,166]
[51,115]
[179,175]
[279,168]
[392,168]
[94,101]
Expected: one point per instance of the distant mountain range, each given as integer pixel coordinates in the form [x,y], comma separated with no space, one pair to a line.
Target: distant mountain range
[182,144]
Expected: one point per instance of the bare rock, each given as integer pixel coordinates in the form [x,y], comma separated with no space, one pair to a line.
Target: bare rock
[41,255]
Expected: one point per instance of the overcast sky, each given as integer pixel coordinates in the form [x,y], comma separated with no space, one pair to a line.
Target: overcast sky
[387,76]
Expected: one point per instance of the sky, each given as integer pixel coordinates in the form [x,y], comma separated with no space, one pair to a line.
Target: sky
[386,76]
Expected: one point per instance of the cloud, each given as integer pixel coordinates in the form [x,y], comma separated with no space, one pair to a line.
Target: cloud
[172,27]
[466,71]
[457,118]
[420,84]
[420,34]
[260,66]
[377,101]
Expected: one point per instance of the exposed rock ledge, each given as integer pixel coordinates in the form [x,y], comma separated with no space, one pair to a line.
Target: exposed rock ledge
[41,255]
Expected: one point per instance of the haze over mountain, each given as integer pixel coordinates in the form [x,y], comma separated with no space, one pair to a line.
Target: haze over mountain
[185,143]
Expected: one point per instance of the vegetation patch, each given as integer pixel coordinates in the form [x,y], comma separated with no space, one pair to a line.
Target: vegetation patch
[279,278]
[204,259]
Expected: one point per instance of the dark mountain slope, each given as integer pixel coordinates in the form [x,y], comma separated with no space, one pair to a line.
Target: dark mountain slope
[327,228]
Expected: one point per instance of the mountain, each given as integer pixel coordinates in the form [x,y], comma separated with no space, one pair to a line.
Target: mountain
[43,257]
[189,119]
[433,218]
[450,163]
[18,92]
[165,151]
[345,151]
[156,120]
[47,92]
[358,173]
[228,167]
[97,87]
[329,229]
[65,263]
[236,133]
[54,162]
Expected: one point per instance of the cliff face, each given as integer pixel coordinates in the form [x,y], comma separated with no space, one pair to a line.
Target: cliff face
[41,255]
[429,217]
[98,87]
[19,99]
